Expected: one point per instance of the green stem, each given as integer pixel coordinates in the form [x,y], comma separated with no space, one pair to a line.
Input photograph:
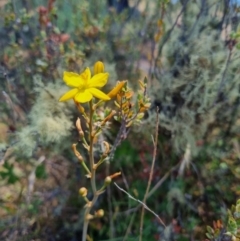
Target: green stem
[86,221]
[97,104]
[85,143]
[91,157]
[86,168]
[103,159]
[93,174]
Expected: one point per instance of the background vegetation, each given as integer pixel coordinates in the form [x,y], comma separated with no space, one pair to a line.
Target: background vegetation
[189,51]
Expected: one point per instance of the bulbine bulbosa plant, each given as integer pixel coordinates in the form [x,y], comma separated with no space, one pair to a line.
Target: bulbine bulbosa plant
[128,109]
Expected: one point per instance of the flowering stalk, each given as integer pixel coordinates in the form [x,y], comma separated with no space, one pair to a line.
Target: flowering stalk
[93,172]
[85,90]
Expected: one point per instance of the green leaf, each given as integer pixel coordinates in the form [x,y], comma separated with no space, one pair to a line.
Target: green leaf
[209,236]
[41,172]
[9,174]
[232,225]
[145,80]
[210,229]
[238,46]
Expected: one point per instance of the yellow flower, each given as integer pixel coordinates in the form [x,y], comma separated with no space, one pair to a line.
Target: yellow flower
[98,67]
[84,86]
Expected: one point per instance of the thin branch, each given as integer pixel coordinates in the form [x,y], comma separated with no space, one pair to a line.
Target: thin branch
[118,140]
[223,78]
[110,212]
[129,227]
[162,180]
[153,190]
[155,141]
[167,36]
[143,204]
[133,210]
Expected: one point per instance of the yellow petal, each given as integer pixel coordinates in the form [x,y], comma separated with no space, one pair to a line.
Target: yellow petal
[98,67]
[83,96]
[98,94]
[72,79]
[116,89]
[86,74]
[69,95]
[98,80]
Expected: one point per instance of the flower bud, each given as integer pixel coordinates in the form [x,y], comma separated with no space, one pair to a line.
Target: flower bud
[79,127]
[140,116]
[83,192]
[99,213]
[115,174]
[98,67]
[77,153]
[116,89]
[107,147]
[113,112]
[107,181]
[79,107]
